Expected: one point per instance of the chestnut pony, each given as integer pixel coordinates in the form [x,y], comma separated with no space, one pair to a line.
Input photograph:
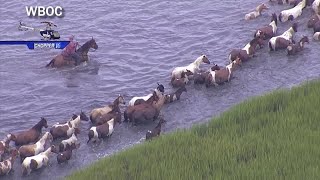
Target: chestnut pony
[82,52]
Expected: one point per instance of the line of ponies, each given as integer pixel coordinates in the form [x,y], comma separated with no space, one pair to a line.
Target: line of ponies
[31,144]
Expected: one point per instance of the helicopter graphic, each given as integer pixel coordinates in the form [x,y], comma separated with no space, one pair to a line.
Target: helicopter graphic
[48,33]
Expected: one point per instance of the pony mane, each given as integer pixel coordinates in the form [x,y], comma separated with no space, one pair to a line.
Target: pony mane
[254,40]
[86,45]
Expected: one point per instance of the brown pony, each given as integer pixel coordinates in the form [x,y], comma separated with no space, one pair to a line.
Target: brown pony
[313,20]
[154,97]
[30,136]
[82,52]
[130,109]
[106,117]
[199,77]
[156,131]
[66,155]
[175,96]
[145,111]
[295,48]
[96,113]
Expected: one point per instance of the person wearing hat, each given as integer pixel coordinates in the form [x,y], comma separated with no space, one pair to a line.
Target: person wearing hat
[70,51]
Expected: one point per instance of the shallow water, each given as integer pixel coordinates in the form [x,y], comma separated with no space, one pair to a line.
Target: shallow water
[140,42]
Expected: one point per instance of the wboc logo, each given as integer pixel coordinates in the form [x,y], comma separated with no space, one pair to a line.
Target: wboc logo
[41,11]
[49,35]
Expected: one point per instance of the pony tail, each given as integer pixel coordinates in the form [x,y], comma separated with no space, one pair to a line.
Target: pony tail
[280,17]
[270,46]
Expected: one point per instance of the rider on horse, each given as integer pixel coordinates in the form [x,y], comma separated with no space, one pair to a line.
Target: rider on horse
[70,51]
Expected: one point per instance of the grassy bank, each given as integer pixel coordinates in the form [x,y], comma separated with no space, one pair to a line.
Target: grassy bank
[270,137]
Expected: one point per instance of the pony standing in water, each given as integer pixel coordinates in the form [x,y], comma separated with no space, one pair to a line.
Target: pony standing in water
[176,73]
[316,6]
[256,13]
[159,91]
[295,48]
[248,51]
[290,2]
[293,13]
[282,41]
[81,55]
[270,30]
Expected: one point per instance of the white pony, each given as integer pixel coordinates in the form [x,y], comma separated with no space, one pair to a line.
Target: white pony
[293,13]
[257,12]
[176,73]
[316,6]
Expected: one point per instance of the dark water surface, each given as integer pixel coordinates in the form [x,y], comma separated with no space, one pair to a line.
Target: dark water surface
[140,42]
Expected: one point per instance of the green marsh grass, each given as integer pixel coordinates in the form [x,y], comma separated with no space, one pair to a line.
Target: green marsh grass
[275,136]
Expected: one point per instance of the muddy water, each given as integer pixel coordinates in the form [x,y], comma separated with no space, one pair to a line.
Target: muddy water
[140,42]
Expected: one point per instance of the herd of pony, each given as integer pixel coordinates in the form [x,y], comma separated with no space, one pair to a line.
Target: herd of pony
[30,145]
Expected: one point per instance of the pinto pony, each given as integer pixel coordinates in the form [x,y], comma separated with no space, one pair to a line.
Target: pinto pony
[199,77]
[102,131]
[65,130]
[256,13]
[270,30]
[7,165]
[282,41]
[68,142]
[293,13]
[218,77]
[34,149]
[36,162]
[115,106]
[290,2]
[4,144]
[137,100]
[316,6]
[144,112]
[248,51]
[130,109]
[193,67]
